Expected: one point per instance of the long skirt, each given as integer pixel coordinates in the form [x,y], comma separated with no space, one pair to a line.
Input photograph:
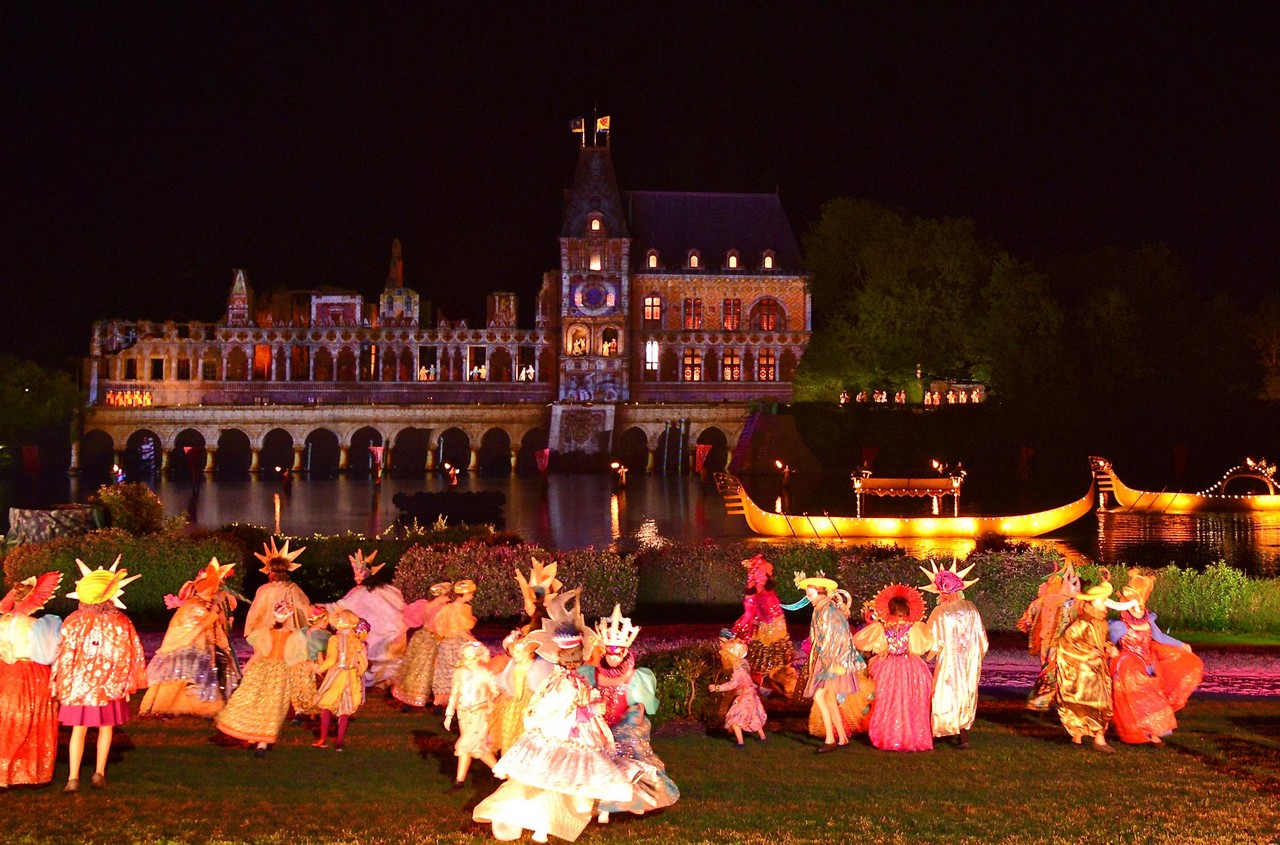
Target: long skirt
[28,724]
[900,714]
[302,688]
[446,659]
[412,683]
[259,706]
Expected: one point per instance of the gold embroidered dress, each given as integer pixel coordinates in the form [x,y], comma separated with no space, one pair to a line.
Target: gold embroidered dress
[1084,678]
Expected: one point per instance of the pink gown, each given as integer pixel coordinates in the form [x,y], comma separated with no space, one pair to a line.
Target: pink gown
[900,712]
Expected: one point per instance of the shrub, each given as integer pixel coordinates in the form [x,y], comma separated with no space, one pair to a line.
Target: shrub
[683,675]
[134,507]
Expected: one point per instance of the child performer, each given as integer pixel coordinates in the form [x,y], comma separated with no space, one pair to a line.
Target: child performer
[28,713]
[959,644]
[277,563]
[1084,681]
[342,691]
[833,662]
[900,712]
[301,655]
[99,665]
[257,710]
[453,626]
[412,683]
[747,711]
[377,601]
[763,627]
[472,700]
[195,671]
[1154,673]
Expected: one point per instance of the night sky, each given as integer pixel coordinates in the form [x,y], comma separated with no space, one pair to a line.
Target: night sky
[148,150]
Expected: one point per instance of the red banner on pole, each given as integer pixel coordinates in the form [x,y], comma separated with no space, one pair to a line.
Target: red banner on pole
[700,456]
[544,457]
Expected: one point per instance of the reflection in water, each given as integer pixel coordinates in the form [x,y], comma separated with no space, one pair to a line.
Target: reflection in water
[577,511]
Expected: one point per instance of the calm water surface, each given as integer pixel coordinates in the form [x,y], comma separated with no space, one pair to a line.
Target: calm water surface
[577,511]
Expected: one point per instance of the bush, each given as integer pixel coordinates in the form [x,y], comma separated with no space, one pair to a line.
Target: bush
[134,507]
[683,675]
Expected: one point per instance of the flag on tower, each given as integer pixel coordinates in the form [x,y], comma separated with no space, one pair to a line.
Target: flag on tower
[602,124]
[577,125]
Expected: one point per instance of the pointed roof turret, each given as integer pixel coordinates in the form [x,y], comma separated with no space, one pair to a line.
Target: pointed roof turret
[395,275]
[594,192]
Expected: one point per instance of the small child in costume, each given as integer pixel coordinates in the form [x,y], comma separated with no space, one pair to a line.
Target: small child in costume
[471,699]
[341,692]
[302,654]
[257,709]
[747,711]
[412,683]
[99,665]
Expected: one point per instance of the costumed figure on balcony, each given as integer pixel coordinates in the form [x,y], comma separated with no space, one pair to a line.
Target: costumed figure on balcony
[257,710]
[959,644]
[301,654]
[1084,676]
[565,761]
[28,712]
[99,665]
[471,699]
[411,685]
[833,662]
[277,563]
[1044,621]
[524,673]
[454,622]
[899,640]
[195,671]
[378,602]
[341,691]
[763,627]
[746,713]
[630,697]
[1154,674]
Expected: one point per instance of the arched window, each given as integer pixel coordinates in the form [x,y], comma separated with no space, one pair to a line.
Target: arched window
[652,310]
[692,367]
[609,341]
[652,261]
[595,224]
[692,313]
[731,366]
[731,261]
[731,320]
[651,355]
[595,260]
[767,366]
[694,259]
[767,315]
[767,263]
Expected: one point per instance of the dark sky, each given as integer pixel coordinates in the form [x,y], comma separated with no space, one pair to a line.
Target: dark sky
[149,149]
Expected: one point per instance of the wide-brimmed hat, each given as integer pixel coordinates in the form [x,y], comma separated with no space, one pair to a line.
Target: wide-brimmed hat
[35,591]
[915,602]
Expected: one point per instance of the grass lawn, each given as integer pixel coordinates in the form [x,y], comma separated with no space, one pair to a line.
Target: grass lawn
[1217,781]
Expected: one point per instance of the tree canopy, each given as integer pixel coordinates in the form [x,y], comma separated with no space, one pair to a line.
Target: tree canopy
[32,398]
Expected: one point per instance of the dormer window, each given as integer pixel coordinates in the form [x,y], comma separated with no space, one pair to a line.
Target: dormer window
[695,259]
[767,263]
[652,261]
[595,259]
[732,260]
[595,224]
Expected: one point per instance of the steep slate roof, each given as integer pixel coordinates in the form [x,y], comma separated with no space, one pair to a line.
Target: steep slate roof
[674,223]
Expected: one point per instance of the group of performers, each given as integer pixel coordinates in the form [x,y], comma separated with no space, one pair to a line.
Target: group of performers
[1124,673]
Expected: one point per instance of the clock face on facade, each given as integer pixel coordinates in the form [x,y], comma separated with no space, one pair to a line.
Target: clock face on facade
[593,297]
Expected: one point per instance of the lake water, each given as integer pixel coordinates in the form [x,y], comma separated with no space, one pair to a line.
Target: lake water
[577,511]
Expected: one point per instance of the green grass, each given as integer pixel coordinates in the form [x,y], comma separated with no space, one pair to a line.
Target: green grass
[1217,781]
[1219,639]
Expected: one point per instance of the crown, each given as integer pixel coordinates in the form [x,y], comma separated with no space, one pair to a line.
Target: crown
[617,630]
[947,580]
[360,565]
[278,559]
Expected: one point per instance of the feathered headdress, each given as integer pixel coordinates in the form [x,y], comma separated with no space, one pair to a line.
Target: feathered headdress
[947,580]
[360,565]
[1139,587]
[758,569]
[915,602]
[563,627]
[277,559]
[616,630]
[541,585]
[35,593]
[97,586]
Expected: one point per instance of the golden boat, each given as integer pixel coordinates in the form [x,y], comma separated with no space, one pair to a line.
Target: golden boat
[1210,500]
[825,526]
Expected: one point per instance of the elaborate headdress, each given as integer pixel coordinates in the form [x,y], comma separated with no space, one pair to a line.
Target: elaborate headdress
[563,627]
[442,588]
[100,585]
[343,619]
[362,628]
[30,595]
[946,581]
[540,586]
[209,579]
[915,602]
[360,565]
[463,587]
[616,630]
[758,569]
[1139,587]
[277,559]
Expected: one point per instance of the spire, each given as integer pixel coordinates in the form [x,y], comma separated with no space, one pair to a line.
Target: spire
[238,299]
[395,276]
[594,192]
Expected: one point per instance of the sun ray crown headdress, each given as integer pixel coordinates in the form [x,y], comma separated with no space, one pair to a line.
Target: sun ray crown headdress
[278,559]
[947,580]
[209,579]
[563,626]
[915,602]
[38,589]
[360,565]
[97,586]
[616,629]
[542,583]
[1139,587]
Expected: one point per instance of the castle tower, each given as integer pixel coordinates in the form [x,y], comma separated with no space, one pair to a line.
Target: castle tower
[238,300]
[398,305]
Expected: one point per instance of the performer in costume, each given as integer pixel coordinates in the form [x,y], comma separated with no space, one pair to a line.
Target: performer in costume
[277,563]
[524,673]
[854,708]
[1044,621]
[99,665]
[900,718]
[411,685]
[471,698]
[763,627]
[302,654]
[375,600]
[454,622]
[342,691]
[747,711]
[28,713]
[833,663]
[565,761]
[1084,678]
[959,644]
[257,710]
[1154,674]
[540,587]
[195,671]
[629,694]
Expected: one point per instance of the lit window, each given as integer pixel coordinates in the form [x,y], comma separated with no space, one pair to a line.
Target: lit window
[733,261]
[692,370]
[767,366]
[595,261]
[731,366]
[595,224]
[768,261]
[766,315]
[693,314]
[653,309]
[693,260]
[653,260]
[732,319]
[651,355]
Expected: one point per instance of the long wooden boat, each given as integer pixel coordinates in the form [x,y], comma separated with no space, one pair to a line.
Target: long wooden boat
[825,526]
[1211,500]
